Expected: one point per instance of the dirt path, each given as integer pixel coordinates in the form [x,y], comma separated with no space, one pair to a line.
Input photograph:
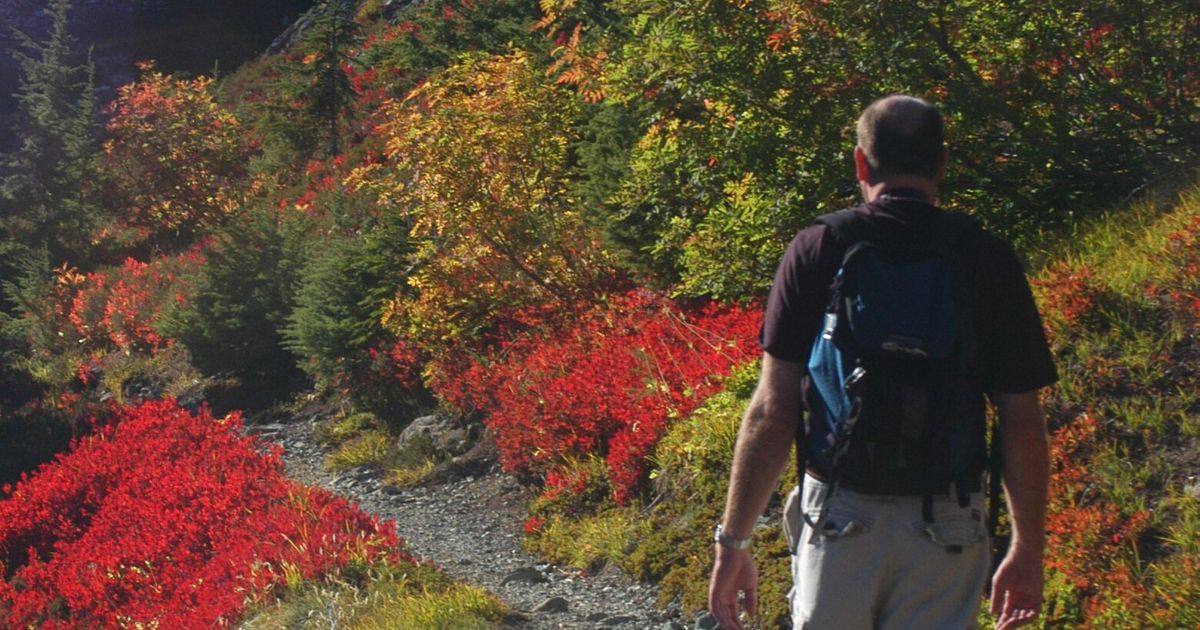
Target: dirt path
[471,527]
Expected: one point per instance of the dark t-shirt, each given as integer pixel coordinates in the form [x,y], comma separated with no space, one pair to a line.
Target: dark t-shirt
[1013,354]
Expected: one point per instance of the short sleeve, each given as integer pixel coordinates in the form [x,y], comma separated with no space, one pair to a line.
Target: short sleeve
[798,296]
[1014,354]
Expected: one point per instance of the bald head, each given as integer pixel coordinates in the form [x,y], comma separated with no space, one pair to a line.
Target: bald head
[902,135]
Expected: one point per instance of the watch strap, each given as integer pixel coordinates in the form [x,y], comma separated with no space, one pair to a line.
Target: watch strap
[725,540]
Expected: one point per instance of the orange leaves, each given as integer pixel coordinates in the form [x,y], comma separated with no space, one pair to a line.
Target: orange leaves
[175,158]
[579,67]
[796,20]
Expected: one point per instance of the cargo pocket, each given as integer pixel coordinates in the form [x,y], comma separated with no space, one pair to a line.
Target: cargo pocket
[806,519]
[837,523]
[840,524]
[793,525]
[954,527]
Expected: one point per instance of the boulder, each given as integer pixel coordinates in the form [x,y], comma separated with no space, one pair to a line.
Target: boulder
[442,434]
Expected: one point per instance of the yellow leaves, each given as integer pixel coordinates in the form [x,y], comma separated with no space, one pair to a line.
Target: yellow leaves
[68,277]
[739,192]
[552,12]
[478,164]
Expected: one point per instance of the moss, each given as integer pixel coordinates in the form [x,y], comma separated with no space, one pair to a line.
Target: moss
[340,430]
[401,597]
[591,542]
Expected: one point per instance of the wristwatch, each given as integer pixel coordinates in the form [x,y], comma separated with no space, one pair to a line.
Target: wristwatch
[729,542]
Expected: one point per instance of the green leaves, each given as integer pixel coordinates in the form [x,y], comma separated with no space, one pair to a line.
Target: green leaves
[1053,110]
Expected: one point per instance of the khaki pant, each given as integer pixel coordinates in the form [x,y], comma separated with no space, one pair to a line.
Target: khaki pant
[877,565]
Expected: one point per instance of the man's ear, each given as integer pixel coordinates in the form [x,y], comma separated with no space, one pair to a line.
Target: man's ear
[862,169]
[941,169]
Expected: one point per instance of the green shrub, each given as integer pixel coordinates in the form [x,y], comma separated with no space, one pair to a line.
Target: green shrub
[242,298]
[338,431]
[336,325]
[1053,111]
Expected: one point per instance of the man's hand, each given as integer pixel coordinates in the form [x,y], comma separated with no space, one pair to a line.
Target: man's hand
[1017,585]
[733,573]
[764,442]
[1017,589]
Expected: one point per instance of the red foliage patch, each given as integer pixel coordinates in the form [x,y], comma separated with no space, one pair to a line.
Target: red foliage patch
[1184,256]
[119,308]
[168,517]
[1067,293]
[1091,538]
[608,383]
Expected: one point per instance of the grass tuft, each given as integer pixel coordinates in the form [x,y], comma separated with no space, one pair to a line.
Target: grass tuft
[339,431]
[371,449]
[399,597]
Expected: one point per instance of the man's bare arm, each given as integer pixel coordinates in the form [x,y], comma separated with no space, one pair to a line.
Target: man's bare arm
[1018,583]
[764,442]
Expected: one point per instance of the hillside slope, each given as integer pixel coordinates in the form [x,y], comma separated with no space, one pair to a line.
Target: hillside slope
[1121,303]
[1123,312]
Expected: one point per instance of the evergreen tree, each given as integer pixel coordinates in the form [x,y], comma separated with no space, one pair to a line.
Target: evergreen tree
[44,196]
[242,298]
[46,209]
[335,33]
[312,96]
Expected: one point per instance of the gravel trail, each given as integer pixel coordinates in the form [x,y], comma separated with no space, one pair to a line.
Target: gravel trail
[471,528]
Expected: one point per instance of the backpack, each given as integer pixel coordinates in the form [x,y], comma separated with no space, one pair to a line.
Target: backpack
[895,405]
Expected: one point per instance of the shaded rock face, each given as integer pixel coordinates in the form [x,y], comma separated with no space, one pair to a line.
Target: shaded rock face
[443,434]
[295,28]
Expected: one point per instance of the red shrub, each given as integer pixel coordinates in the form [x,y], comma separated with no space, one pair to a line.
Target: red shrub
[167,516]
[1183,256]
[1067,294]
[1091,538]
[115,309]
[607,380]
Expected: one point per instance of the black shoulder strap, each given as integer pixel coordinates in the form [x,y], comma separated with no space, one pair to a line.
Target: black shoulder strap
[838,224]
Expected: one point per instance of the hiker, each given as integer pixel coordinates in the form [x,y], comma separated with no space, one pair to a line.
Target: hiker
[887,529]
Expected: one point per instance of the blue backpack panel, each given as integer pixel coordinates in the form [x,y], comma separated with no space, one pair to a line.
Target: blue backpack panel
[895,405]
